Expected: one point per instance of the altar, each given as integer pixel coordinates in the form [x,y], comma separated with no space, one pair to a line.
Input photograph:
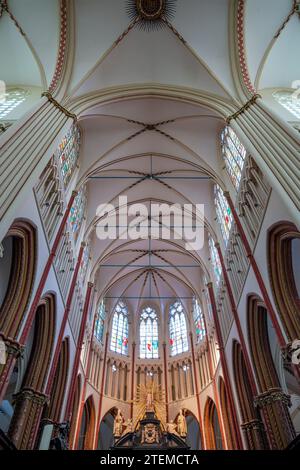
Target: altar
[150,429]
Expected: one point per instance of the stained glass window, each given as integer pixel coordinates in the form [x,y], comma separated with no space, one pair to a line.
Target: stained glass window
[11,100]
[99,324]
[68,153]
[77,211]
[198,321]
[215,260]
[224,213]
[84,263]
[289,101]
[148,334]
[177,329]
[234,154]
[119,331]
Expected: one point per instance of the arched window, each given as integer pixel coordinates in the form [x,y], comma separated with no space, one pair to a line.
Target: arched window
[289,101]
[77,211]
[84,263]
[215,260]
[198,321]
[177,329]
[119,332]
[148,334]
[224,213]
[68,153]
[12,99]
[99,324]
[234,154]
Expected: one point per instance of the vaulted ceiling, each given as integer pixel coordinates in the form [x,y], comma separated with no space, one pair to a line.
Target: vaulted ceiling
[151,106]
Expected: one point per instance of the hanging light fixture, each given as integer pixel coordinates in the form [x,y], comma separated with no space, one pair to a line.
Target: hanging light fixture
[151,13]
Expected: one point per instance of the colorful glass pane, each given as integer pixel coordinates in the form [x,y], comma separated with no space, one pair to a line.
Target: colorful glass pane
[77,211]
[177,329]
[99,324]
[68,153]
[119,332]
[84,263]
[148,334]
[223,211]
[234,154]
[198,321]
[215,260]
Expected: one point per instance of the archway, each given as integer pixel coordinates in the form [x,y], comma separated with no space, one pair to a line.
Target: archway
[251,425]
[284,272]
[87,425]
[227,417]
[17,268]
[273,403]
[105,436]
[30,400]
[213,434]
[59,384]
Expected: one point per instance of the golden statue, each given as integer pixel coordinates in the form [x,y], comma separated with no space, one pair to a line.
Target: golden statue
[171,428]
[149,398]
[118,425]
[181,425]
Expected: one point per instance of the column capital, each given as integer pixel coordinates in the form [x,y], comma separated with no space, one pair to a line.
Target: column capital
[271,396]
[32,395]
[209,285]
[74,193]
[90,284]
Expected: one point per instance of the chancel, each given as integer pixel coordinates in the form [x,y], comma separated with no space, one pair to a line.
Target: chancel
[119,120]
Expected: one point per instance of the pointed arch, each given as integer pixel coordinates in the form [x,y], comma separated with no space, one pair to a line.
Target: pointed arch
[213,435]
[257,317]
[227,416]
[283,259]
[59,383]
[22,236]
[87,425]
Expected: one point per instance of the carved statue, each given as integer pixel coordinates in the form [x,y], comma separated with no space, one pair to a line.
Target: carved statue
[118,424]
[129,426]
[149,404]
[181,424]
[171,427]
[60,440]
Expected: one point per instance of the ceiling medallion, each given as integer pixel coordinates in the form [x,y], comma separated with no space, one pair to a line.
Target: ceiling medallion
[151,13]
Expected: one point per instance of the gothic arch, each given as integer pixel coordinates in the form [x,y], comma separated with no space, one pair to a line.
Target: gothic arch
[60,382]
[105,431]
[21,276]
[251,423]
[259,344]
[31,399]
[282,278]
[227,417]
[87,425]
[212,426]
[273,403]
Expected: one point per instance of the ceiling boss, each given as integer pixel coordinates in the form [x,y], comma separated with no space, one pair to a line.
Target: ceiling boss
[151,14]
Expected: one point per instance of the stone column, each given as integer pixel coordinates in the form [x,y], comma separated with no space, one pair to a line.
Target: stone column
[274,408]
[254,433]
[13,350]
[28,408]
